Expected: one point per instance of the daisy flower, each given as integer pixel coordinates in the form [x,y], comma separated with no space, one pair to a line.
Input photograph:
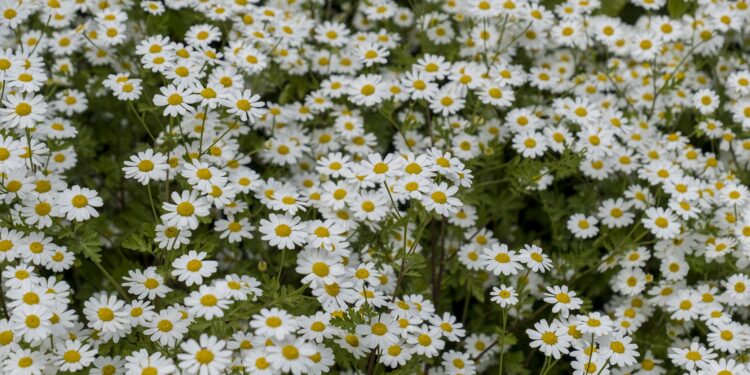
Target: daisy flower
[283,231]
[166,327]
[367,90]
[530,144]
[705,101]
[207,302]
[185,210]
[319,267]
[234,230]
[594,324]
[106,314]
[583,226]
[244,104]
[692,357]
[23,111]
[31,323]
[500,261]
[146,284]
[146,166]
[141,361]
[25,361]
[171,237]
[661,222]
[563,300]
[551,339]
[192,268]
[380,169]
[73,355]
[273,323]
[77,203]
[425,341]
[441,199]
[291,356]
[381,332]
[447,101]
[206,356]
[533,257]
[203,176]
[505,296]
[177,100]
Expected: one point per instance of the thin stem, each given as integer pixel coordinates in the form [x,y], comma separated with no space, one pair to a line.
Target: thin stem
[151,200]
[113,281]
[41,38]
[281,265]
[203,126]
[502,340]
[130,105]
[393,202]
[549,368]
[2,300]
[606,364]
[591,353]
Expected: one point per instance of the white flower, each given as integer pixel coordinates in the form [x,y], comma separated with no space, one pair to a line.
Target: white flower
[244,104]
[177,100]
[583,226]
[501,261]
[31,323]
[283,231]
[146,166]
[139,361]
[23,111]
[106,314]
[694,356]
[551,339]
[440,198]
[291,356]
[192,268]
[563,300]
[206,356]
[661,222]
[73,355]
[166,327]
[77,203]
[505,296]
[185,210]
[273,323]
[146,284]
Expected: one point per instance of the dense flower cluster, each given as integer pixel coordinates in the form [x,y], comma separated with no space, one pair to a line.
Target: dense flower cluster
[288,186]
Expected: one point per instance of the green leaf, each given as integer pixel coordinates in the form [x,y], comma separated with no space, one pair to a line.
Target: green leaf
[411,367]
[677,8]
[136,242]
[87,243]
[514,363]
[612,7]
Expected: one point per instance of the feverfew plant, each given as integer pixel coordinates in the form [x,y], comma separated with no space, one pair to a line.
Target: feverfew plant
[376,186]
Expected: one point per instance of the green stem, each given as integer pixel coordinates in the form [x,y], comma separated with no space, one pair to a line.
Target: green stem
[502,340]
[113,281]
[130,104]
[2,300]
[281,265]
[151,200]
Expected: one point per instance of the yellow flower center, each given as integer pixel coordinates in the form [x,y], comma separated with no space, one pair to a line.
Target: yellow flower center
[23,109]
[290,352]
[79,201]
[194,265]
[549,338]
[283,230]
[185,209]
[106,314]
[204,356]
